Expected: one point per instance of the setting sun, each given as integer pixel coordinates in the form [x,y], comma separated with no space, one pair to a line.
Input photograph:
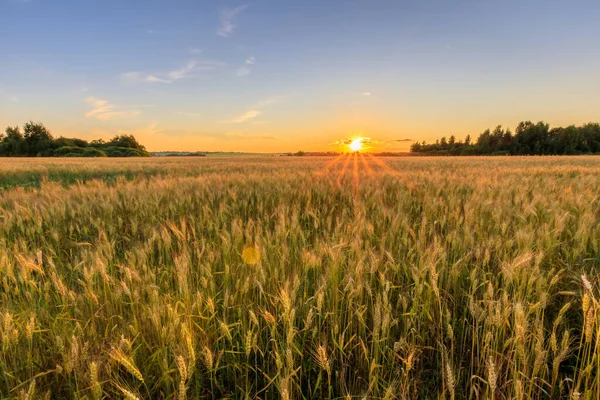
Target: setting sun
[356,144]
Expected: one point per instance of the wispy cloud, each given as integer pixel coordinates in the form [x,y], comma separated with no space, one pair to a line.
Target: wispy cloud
[171,76]
[348,140]
[152,78]
[183,71]
[255,111]
[249,136]
[149,130]
[243,117]
[131,77]
[188,114]
[398,140]
[268,101]
[245,69]
[104,110]
[195,51]
[368,94]
[242,71]
[227,18]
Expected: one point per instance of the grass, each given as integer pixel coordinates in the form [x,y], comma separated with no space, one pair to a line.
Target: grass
[291,278]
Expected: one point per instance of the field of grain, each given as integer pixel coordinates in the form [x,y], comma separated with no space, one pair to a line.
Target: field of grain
[300,278]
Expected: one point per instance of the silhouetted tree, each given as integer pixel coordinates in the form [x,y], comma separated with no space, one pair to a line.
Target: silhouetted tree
[36,140]
[128,141]
[37,137]
[13,133]
[529,138]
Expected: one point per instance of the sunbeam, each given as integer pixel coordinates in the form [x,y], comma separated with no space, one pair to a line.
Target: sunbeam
[330,164]
[365,164]
[343,171]
[384,166]
[355,174]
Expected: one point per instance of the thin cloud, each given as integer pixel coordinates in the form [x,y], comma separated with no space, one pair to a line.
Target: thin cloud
[195,51]
[227,18]
[243,118]
[149,130]
[398,140]
[245,70]
[368,94]
[255,111]
[104,110]
[171,76]
[152,78]
[348,140]
[188,114]
[269,101]
[248,136]
[183,71]
[131,77]
[242,71]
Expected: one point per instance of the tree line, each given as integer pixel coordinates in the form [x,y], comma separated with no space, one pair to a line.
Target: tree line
[528,139]
[35,140]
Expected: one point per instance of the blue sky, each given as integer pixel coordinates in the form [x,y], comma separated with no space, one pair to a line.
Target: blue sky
[270,75]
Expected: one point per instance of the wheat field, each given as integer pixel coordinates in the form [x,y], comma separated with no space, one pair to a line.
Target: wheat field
[300,278]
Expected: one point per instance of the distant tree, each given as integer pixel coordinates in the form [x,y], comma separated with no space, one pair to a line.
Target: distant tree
[128,141]
[35,132]
[484,143]
[12,143]
[507,141]
[37,137]
[591,135]
[36,140]
[532,138]
[13,133]
[529,138]
[415,147]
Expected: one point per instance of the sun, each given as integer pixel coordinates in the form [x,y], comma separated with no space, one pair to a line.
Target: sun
[356,144]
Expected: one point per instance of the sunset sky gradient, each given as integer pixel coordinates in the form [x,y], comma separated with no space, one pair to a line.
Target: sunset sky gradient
[274,75]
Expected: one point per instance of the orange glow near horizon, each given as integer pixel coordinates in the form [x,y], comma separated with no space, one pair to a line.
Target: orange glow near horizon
[356,145]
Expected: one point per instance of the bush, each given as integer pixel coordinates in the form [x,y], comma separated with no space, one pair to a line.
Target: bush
[114,151]
[64,150]
[93,152]
[36,140]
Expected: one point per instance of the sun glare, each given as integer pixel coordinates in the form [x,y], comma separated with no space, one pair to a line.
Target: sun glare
[356,144]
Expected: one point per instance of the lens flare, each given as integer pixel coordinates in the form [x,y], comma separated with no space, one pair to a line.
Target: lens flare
[356,144]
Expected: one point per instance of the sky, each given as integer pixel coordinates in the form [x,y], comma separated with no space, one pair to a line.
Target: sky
[289,75]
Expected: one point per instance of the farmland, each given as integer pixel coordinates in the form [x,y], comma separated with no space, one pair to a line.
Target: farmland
[367,277]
